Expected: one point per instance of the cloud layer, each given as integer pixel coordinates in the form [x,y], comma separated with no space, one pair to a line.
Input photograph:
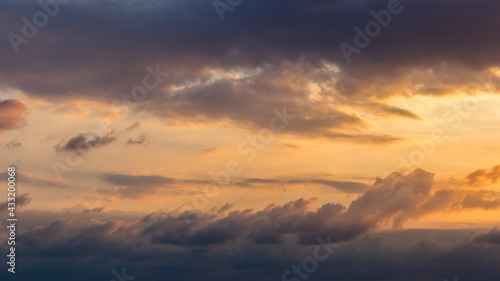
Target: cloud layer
[266,242]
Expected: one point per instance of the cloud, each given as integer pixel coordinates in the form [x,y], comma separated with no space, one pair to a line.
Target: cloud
[343,186]
[94,210]
[136,180]
[482,175]
[34,180]
[480,200]
[388,203]
[140,140]
[132,127]
[137,186]
[491,237]
[383,109]
[272,239]
[83,143]
[217,76]
[209,150]
[21,201]
[14,144]
[12,114]
[93,248]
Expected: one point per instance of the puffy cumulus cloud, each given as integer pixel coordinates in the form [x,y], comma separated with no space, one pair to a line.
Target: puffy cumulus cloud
[12,114]
[224,244]
[240,72]
[269,226]
[90,249]
[389,203]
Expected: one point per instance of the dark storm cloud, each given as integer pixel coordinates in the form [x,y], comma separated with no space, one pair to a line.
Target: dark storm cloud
[12,114]
[89,249]
[431,48]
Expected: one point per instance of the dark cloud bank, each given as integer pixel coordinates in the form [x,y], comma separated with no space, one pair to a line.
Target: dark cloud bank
[261,245]
[99,50]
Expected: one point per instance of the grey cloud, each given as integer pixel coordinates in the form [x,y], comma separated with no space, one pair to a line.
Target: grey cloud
[21,201]
[392,201]
[137,186]
[133,126]
[140,140]
[83,143]
[397,62]
[93,210]
[26,178]
[92,248]
[344,186]
[491,237]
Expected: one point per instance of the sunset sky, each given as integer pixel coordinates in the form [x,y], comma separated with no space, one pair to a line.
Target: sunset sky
[199,140]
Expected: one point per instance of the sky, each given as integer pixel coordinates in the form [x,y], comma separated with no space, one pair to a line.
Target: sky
[251,140]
